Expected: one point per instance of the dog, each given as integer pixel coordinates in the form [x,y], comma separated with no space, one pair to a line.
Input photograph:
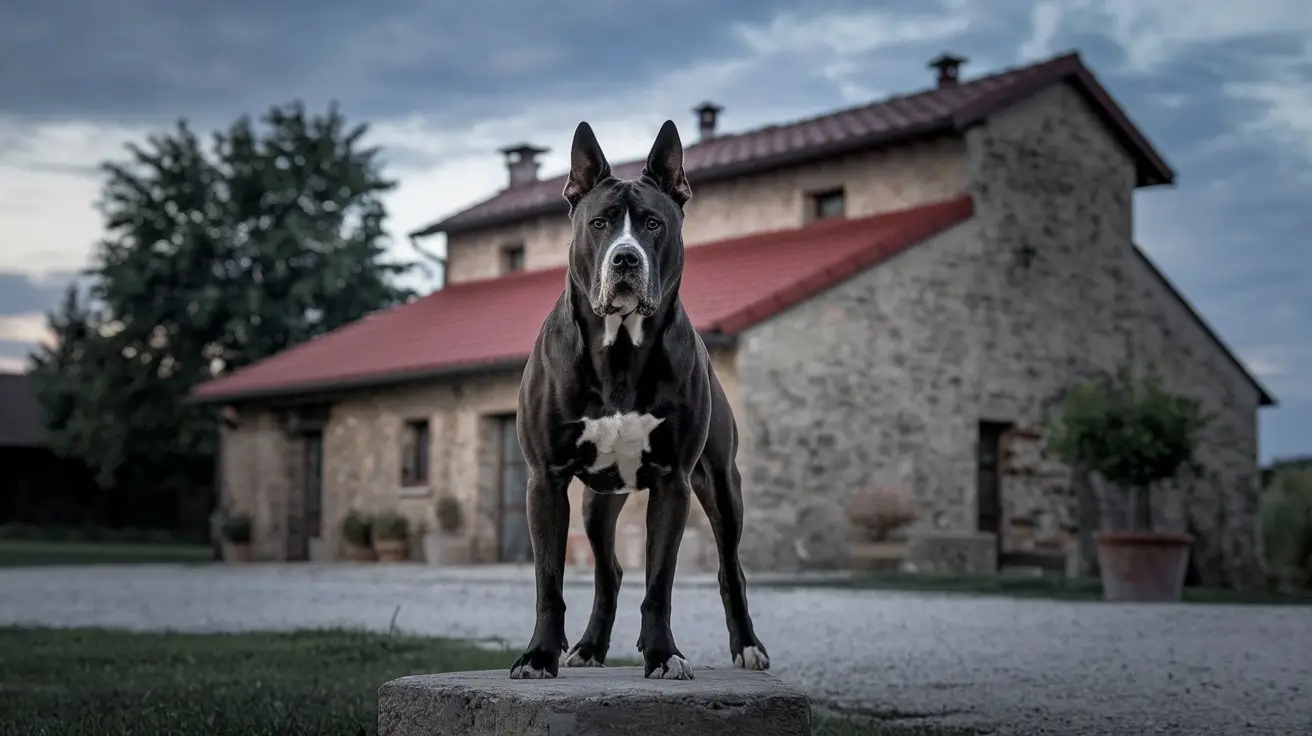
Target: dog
[620,393]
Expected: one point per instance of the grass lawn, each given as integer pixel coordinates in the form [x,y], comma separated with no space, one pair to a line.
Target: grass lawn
[92,681]
[1084,589]
[25,552]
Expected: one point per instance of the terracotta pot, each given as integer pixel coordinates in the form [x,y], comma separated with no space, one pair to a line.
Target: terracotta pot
[359,553]
[236,552]
[1141,566]
[391,550]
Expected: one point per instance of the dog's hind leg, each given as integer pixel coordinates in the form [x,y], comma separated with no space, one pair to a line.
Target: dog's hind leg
[720,494]
[600,513]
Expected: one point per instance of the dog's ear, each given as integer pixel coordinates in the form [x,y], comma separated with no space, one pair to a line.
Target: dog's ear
[587,166]
[665,165]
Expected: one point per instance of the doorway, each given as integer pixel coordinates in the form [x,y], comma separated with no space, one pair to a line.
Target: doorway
[988,483]
[513,542]
[311,491]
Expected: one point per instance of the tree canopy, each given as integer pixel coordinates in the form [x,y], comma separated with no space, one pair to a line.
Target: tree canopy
[215,255]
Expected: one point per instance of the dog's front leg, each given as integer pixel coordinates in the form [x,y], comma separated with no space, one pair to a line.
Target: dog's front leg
[667,514]
[548,525]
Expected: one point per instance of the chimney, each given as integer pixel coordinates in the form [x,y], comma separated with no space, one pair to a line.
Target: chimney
[707,114]
[948,66]
[522,162]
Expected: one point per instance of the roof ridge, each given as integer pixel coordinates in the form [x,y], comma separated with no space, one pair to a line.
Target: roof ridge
[722,139]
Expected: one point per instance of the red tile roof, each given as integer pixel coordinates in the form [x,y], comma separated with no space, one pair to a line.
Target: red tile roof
[728,286]
[939,111]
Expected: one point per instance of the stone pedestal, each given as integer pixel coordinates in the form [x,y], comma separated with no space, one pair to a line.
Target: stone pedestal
[604,701]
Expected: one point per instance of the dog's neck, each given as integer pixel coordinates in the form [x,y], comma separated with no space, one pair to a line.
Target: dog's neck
[619,346]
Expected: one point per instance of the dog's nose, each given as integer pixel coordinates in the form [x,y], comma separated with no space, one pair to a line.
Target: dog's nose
[626,257]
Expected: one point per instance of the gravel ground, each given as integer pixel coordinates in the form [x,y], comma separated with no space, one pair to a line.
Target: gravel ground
[1018,666]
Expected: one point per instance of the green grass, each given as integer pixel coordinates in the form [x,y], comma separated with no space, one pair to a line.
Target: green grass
[1054,588]
[24,552]
[92,681]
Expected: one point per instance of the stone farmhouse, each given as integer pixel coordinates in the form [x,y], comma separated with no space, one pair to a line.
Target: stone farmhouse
[895,295]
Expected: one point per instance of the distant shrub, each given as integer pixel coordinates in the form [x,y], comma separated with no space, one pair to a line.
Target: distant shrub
[390,527]
[355,529]
[1286,518]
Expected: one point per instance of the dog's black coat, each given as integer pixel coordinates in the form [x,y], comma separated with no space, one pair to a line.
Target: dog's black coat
[618,354]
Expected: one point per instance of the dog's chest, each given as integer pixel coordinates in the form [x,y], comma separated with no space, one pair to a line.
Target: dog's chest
[615,452]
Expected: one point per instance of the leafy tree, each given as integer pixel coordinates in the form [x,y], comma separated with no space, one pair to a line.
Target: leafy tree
[1131,432]
[1286,517]
[215,256]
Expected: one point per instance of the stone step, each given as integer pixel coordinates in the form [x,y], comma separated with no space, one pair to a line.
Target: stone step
[602,701]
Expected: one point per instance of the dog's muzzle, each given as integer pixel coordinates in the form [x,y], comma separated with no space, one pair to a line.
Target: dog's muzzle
[624,284]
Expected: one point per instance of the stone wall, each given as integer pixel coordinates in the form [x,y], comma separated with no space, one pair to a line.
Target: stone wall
[1048,175]
[256,469]
[874,182]
[362,457]
[958,330]
[868,384]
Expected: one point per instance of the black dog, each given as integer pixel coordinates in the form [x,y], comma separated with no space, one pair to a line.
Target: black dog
[619,392]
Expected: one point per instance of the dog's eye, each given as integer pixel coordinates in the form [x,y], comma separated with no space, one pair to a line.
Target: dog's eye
[653,223]
[599,223]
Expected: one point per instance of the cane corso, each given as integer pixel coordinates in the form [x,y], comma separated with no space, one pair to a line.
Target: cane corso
[619,392]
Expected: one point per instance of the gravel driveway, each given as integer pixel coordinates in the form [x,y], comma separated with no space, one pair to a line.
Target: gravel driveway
[1016,665]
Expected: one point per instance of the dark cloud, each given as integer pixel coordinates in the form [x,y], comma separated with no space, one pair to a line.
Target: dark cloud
[23,294]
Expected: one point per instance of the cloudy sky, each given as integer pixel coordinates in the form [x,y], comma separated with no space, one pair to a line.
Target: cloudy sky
[1224,89]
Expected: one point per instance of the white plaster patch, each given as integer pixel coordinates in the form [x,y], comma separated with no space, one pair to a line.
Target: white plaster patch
[529,672]
[576,660]
[752,658]
[675,668]
[620,440]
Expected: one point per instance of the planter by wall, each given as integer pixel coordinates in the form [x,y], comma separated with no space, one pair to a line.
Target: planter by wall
[391,550]
[237,552]
[442,548]
[359,553]
[1141,566]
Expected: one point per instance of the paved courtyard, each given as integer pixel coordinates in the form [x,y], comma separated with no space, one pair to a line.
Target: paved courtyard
[1074,668]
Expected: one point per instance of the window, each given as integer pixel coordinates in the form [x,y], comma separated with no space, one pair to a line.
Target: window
[512,258]
[827,204]
[414,453]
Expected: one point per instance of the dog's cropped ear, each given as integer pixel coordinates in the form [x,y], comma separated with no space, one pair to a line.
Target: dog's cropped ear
[665,165]
[587,166]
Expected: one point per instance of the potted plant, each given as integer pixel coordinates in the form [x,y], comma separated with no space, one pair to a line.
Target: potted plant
[356,537]
[444,542]
[877,513]
[391,537]
[235,537]
[1135,435]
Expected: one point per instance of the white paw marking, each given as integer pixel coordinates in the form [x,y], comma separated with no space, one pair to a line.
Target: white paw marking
[576,660]
[752,658]
[620,440]
[676,668]
[529,672]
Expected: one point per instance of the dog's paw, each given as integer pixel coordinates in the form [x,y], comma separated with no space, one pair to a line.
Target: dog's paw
[674,668]
[581,658]
[529,672]
[752,658]
[535,664]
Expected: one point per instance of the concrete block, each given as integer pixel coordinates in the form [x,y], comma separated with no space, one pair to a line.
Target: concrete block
[604,701]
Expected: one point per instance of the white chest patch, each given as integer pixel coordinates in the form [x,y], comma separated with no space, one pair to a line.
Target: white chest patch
[620,440]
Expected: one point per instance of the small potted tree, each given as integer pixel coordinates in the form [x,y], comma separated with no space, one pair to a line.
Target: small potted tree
[1135,435]
[391,537]
[445,543]
[356,537]
[235,531]
[876,515]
